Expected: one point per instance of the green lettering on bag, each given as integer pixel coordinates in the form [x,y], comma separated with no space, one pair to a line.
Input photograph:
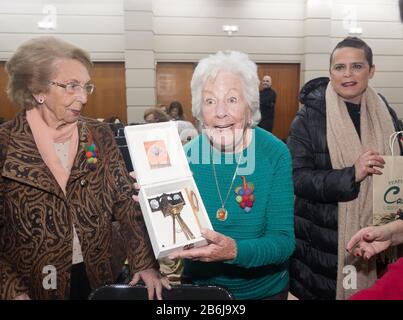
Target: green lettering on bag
[393,190]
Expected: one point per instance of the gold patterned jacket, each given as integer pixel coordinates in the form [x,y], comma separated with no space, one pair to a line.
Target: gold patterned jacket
[36,218]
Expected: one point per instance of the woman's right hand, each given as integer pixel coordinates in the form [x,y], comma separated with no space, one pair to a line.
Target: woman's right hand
[367,164]
[135,197]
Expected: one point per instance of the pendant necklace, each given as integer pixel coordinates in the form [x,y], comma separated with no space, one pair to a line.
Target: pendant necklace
[222,213]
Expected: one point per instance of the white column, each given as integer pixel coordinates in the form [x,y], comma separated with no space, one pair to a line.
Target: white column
[139,58]
[317,39]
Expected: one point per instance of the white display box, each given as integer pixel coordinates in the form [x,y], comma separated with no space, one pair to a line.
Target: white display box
[164,176]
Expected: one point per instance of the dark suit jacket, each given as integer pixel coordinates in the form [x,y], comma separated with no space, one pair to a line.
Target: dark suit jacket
[267,103]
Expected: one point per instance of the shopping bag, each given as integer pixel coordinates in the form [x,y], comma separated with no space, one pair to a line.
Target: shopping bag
[388,187]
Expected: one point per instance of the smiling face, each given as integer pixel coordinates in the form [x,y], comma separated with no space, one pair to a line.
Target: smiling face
[225,111]
[61,107]
[266,82]
[350,73]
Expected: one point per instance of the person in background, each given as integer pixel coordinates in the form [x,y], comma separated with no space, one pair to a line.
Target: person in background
[336,141]
[370,241]
[186,130]
[63,181]
[163,108]
[113,119]
[267,104]
[116,125]
[243,174]
[175,111]
[152,115]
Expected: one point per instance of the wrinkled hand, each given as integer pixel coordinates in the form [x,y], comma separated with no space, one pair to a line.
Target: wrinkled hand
[367,164]
[370,241]
[153,280]
[135,185]
[219,248]
[23,296]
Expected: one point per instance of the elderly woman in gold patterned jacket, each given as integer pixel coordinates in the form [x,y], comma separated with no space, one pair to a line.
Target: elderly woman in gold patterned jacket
[62,183]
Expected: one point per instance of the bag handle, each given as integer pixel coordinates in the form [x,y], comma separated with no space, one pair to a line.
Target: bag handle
[392,139]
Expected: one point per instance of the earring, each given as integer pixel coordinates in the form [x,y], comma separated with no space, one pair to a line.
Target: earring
[41,100]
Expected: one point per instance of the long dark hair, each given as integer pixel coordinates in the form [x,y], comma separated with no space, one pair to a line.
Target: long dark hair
[176,105]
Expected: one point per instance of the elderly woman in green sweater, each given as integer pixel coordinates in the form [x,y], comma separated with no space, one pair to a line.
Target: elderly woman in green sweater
[244,176]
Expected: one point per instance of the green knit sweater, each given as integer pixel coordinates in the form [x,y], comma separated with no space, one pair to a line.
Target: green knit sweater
[265,235]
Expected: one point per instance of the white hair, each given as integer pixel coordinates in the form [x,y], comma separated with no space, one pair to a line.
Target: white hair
[235,62]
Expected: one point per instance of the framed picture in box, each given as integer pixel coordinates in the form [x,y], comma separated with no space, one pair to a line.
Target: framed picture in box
[157,154]
[171,204]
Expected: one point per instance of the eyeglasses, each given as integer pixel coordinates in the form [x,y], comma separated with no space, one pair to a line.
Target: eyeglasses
[75,87]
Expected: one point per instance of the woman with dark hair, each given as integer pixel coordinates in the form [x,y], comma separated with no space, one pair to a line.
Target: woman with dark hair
[336,141]
[175,111]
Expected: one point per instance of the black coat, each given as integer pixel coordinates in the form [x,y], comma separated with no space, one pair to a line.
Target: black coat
[318,189]
[267,102]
